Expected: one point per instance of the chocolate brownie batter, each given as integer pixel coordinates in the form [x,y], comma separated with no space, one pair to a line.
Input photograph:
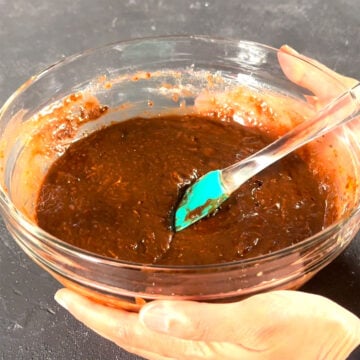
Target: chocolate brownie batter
[114,193]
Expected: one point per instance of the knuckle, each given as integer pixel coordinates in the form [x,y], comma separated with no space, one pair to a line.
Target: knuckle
[198,351]
[125,335]
[200,330]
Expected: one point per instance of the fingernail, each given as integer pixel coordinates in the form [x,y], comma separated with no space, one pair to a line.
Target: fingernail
[290,50]
[60,298]
[162,318]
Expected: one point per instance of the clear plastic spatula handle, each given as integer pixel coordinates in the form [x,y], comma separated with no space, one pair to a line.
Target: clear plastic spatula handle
[338,112]
[213,188]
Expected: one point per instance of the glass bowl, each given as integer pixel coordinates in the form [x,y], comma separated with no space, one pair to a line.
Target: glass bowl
[148,77]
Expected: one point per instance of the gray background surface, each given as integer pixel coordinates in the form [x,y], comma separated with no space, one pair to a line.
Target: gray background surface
[36,33]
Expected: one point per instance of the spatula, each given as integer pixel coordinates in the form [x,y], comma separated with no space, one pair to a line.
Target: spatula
[212,189]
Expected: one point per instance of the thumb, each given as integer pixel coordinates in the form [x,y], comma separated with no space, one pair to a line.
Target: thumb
[265,322]
[191,320]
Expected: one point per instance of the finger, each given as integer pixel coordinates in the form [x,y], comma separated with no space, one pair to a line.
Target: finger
[231,322]
[260,323]
[125,330]
[312,75]
[146,354]
[105,321]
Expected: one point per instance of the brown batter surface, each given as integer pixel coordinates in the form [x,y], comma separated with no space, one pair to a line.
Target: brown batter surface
[113,193]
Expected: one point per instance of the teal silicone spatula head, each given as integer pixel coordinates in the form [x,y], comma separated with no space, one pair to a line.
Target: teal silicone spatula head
[200,200]
[212,189]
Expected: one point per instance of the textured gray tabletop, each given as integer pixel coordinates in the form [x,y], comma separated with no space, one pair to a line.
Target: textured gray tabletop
[36,33]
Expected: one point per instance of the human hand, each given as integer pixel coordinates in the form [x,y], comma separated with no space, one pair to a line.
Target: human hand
[324,85]
[275,325]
